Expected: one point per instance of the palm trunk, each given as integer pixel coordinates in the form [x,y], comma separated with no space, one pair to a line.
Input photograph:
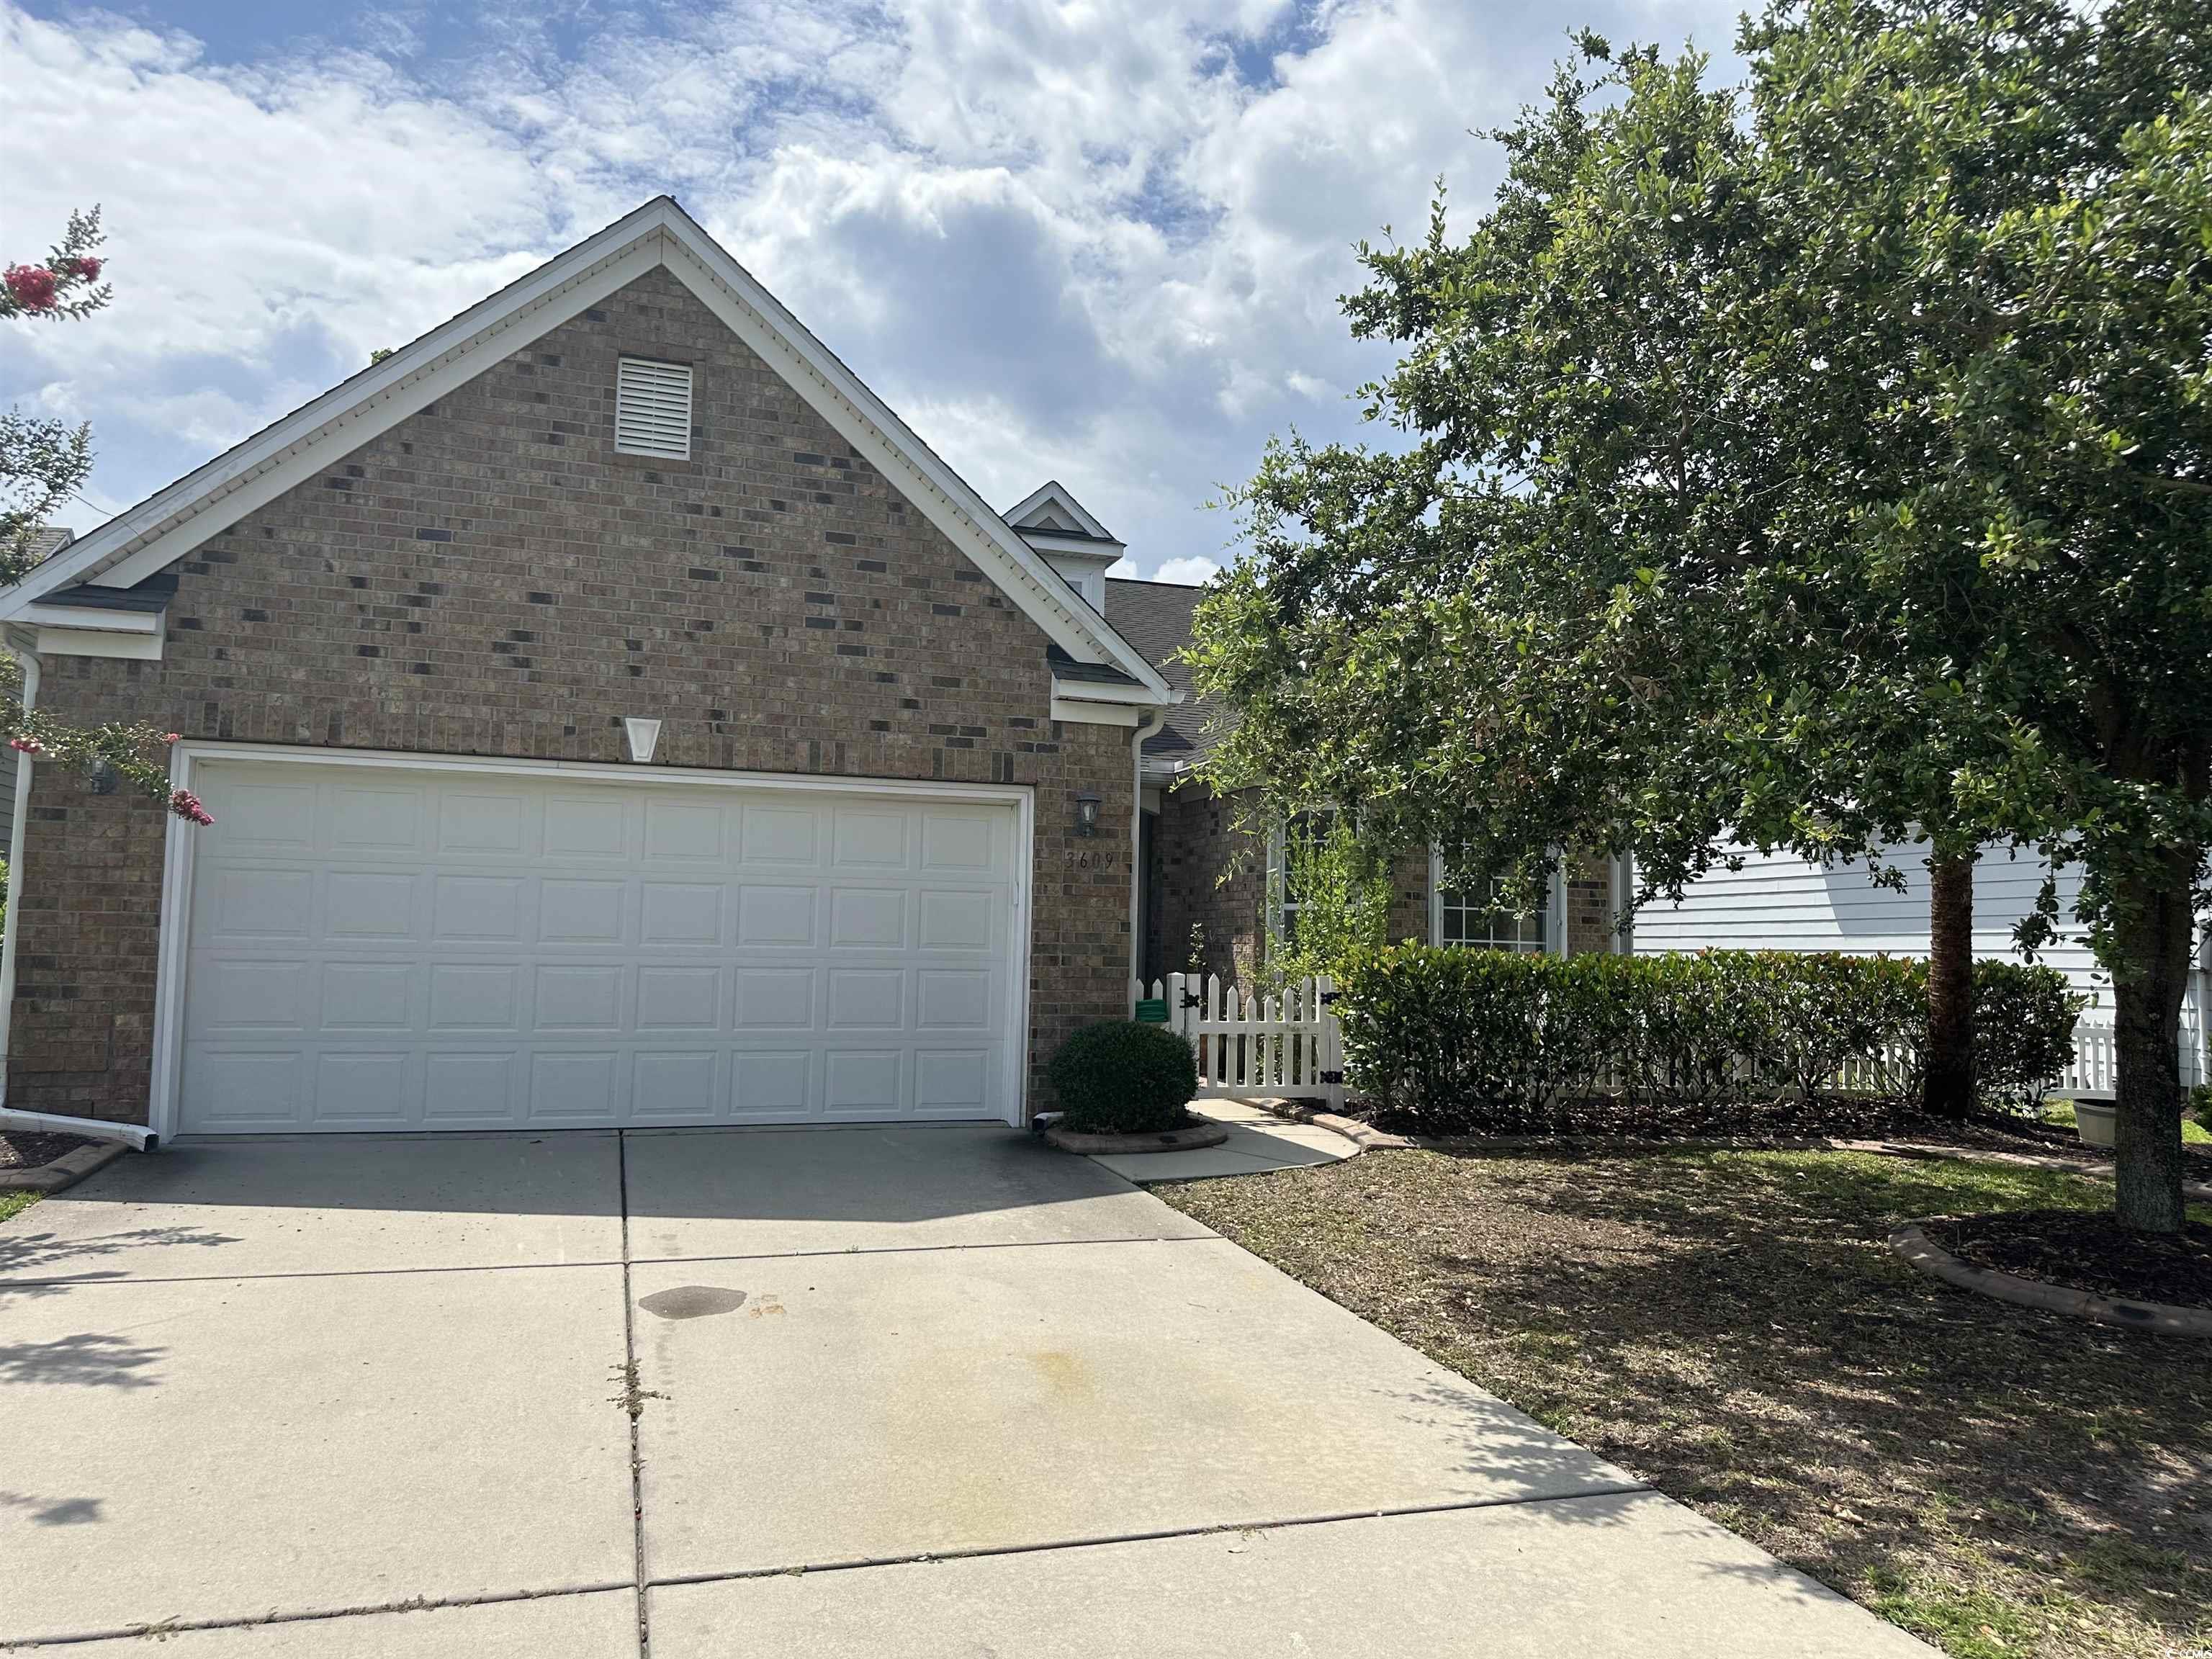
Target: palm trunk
[2151,937]
[1948,1090]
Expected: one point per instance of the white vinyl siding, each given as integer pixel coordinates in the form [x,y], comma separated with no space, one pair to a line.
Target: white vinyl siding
[1778,903]
[652,409]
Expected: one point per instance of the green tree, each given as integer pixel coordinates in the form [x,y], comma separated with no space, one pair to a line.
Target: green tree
[1824,463]
[42,462]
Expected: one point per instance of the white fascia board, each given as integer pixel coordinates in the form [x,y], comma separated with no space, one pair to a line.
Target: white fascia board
[97,643]
[1086,702]
[1053,493]
[862,419]
[1079,547]
[170,523]
[86,615]
[1074,712]
[1132,696]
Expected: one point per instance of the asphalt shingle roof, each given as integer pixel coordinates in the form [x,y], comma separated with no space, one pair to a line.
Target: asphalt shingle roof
[1155,617]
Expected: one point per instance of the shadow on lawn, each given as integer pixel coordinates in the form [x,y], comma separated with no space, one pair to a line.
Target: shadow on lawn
[1733,1328]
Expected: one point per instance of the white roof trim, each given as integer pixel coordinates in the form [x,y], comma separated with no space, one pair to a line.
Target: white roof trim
[1072,547]
[169,525]
[1130,696]
[1053,494]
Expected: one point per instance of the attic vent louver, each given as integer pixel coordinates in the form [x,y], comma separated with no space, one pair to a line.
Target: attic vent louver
[652,409]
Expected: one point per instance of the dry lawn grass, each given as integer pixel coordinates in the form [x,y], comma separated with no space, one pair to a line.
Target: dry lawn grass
[1732,1326]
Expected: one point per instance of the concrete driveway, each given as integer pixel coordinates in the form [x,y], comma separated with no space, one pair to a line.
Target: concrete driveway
[882,1391]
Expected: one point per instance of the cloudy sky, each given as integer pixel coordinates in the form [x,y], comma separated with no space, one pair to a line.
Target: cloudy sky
[1100,240]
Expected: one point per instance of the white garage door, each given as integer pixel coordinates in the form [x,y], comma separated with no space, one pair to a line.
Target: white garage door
[438,949]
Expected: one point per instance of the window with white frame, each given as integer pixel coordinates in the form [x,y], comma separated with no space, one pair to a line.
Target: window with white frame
[1476,915]
[1304,830]
[652,409]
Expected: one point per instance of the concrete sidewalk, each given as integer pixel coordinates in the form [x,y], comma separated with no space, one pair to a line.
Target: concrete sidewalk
[884,1391]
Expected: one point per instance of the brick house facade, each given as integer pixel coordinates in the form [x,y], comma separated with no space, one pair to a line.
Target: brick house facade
[458,564]
[488,577]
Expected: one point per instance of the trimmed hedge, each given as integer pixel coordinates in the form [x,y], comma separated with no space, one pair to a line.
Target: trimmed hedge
[1444,1037]
[1121,1077]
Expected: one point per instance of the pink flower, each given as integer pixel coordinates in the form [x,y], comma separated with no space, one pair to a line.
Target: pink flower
[172,737]
[86,266]
[32,285]
[187,805]
[29,745]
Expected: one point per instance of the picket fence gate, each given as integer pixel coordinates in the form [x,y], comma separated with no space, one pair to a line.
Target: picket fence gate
[1285,1043]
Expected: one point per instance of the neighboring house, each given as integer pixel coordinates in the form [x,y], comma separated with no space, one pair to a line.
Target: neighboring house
[612,713]
[1778,903]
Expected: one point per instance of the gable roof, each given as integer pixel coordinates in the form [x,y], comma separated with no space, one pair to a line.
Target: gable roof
[169,524]
[1155,617]
[1051,509]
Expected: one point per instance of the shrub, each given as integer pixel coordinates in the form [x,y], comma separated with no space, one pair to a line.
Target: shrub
[2024,1020]
[1426,1030]
[1121,1077]
[2200,1104]
[1445,1038]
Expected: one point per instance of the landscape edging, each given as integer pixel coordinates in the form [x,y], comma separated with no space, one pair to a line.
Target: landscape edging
[66,1170]
[1187,1139]
[2161,1318]
[2197,1192]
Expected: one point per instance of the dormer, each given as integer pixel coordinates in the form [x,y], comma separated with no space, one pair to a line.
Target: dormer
[1073,542]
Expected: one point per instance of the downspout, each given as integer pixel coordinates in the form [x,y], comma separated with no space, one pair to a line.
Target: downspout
[135,1134]
[1147,723]
[27,662]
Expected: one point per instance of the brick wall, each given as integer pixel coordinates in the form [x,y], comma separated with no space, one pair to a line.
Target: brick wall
[1590,903]
[490,578]
[1213,875]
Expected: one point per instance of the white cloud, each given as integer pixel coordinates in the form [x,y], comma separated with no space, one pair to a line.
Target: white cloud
[1189,570]
[1102,242]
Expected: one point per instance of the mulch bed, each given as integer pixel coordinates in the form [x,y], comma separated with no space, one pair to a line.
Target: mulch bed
[2085,1251]
[1844,1117]
[19,1150]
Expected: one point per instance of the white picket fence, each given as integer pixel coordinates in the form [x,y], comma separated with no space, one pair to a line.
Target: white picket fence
[2096,1069]
[1248,1043]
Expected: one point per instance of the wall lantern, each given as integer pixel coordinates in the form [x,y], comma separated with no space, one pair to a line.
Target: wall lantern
[101,778]
[643,735]
[1086,814]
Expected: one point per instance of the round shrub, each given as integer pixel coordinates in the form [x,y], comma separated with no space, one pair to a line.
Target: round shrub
[1120,1077]
[2024,1017]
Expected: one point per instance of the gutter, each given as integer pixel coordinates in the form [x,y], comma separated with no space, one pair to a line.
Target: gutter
[132,1134]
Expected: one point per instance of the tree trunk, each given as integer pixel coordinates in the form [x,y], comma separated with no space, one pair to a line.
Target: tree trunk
[2151,937]
[1948,1090]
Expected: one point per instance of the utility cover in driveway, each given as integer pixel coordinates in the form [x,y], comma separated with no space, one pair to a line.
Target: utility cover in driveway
[450,948]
